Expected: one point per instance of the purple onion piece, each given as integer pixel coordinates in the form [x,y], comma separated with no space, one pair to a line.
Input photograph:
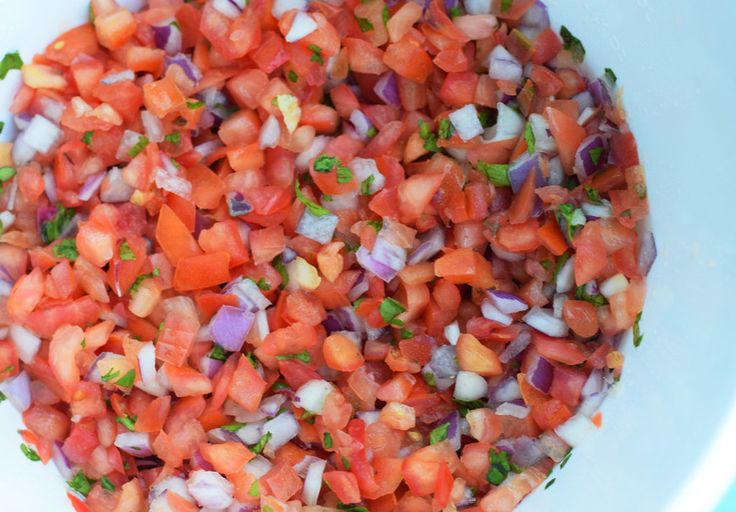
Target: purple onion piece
[590,156]
[584,100]
[385,260]
[91,186]
[600,92]
[387,89]
[430,244]
[591,288]
[209,366]
[506,302]
[161,36]
[186,64]
[237,205]
[526,452]
[647,253]
[230,326]
[44,214]
[538,209]
[62,463]
[540,374]
[199,462]
[506,391]
[18,391]
[453,430]
[516,347]
[342,319]
[359,288]
[506,445]
[136,444]
[520,170]
[288,255]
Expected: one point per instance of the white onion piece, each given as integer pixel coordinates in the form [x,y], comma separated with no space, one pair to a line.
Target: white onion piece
[509,123]
[302,466]
[313,482]
[320,229]
[347,201]
[260,328]
[613,285]
[301,27]
[137,444]
[258,466]
[42,135]
[22,153]
[466,122]
[566,276]
[5,288]
[544,142]
[251,433]
[18,391]
[91,186]
[114,189]
[280,7]
[210,489]
[558,303]
[153,126]
[270,133]
[587,114]
[270,406]
[544,321]
[283,428]
[311,396]
[452,332]
[61,462]
[504,66]
[601,211]
[248,294]
[590,405]
[302,159]
[470,386]
[130,138]
[49,186]
[363,169]
[226,8]
[509,409]
[491,312]
[26,342]
[121,76]
[575,430]
[147,364]
[369,417]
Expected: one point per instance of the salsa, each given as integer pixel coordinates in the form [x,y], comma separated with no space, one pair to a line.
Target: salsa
[283,255]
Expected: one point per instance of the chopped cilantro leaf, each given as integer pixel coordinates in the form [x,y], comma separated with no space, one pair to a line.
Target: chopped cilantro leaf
[107,484]
[30,453]
[500,467]
[531,141]
[218,353]
[278,265]
[81,483]
[327,440]
[52,228]
[126,380]
[10,61]
[66,249]
[87,139]
[610,75]
[364,24]
[498,174]
[597,300]
[125,252]
[316,54]
[389,309]
[111,374]
[439,434]
[314,208]
[174,138]
[506,5]
[253,490]
[572,44]
[138,147]
[445,129]
[127,421]
[304,357]
[638,336]
[365,185]
[194,104]
[262,442]
[292,76]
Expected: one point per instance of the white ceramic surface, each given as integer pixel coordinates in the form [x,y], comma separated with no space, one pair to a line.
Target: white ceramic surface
[669,436]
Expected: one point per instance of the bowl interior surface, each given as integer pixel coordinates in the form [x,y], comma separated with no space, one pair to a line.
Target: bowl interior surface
[663,444]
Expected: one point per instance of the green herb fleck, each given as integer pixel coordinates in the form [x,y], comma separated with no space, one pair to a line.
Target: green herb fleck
[439,434]
[566,458]
[454,12]
[498,174]
[138,147]
[346,463]
[364,24]
[626,213]
[316,54]
[278,265]
[107,484]
[3,397]
[263,284]
[218,353]
[127,421]
[424,130]
[445,129]
[111,374]
[595,155]
[81,483]
[376,224]
[174,138]
[549,484]
[610,75]
[52,228]
[10,61]
[304,357]
[430,144]
[351,508]
[233,427]
[30,453]
[194,104]
[138,280]
[314,208]
[593,195]
[344,174]
[597,300]
[561,260]
[327,440]
[2,126]
[66,249]
[292,76]
[126,380]
[506,5]
[253,490]
[372,132]
[638,336]
[572,44]
[531,141]
[464,406]
[430,379]
[500,467]
[365,185]
[570,218]
[389,309]
[261,444]
[87,139]
[325,163]
[385,14]
[406,333]
[125,252]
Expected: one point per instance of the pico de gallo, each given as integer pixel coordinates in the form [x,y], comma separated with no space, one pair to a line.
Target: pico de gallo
[283,255]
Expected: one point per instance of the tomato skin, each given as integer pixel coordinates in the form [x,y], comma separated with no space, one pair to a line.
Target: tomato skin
[590,256]
[247,385]
[558,349]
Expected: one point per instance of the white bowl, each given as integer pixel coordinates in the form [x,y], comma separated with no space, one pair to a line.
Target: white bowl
[665,442]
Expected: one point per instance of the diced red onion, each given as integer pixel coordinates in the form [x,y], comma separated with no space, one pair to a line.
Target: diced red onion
[5,288]
[237,205]
[594,384]
[209,366]
[301,27]
[364,168]
[343,319]
[584,164]
[217,102]
[210,489]
[49,183]
[62,463]
[535,20]
[387,89]
[503,65]
[258,466]
[490,312]
[590,404]
[149,375]
[553,446]
[359,288]
[526,452]
[153,126]
[227,8]
[470,386]
[313,482]
[575,430]
[18,391]
[566,276]
[647,252]
[130,138]
[361,123]
[26,342]
[385,260]
[41,134]
[91,186]
[337,202]
[466,122]
[280,7]
[248,293]
[120,76]
[320,229]
[93,373]
[506,302]
[509,409]
[544,321]
[283,428]
[444,361]
[113,188]
[22,120]
[540,374]
[220,435]
[544,142]
[599,91]
[617,283]
[506,391]
[430,243]
[171,179]
[586,115]
[453,431]
[505,255]
[168,37]
[270,406]
[137,444]
[519,171]
[270,133]
[477,6]
[584,100]
[207,148]
[229,327]
[311,396]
